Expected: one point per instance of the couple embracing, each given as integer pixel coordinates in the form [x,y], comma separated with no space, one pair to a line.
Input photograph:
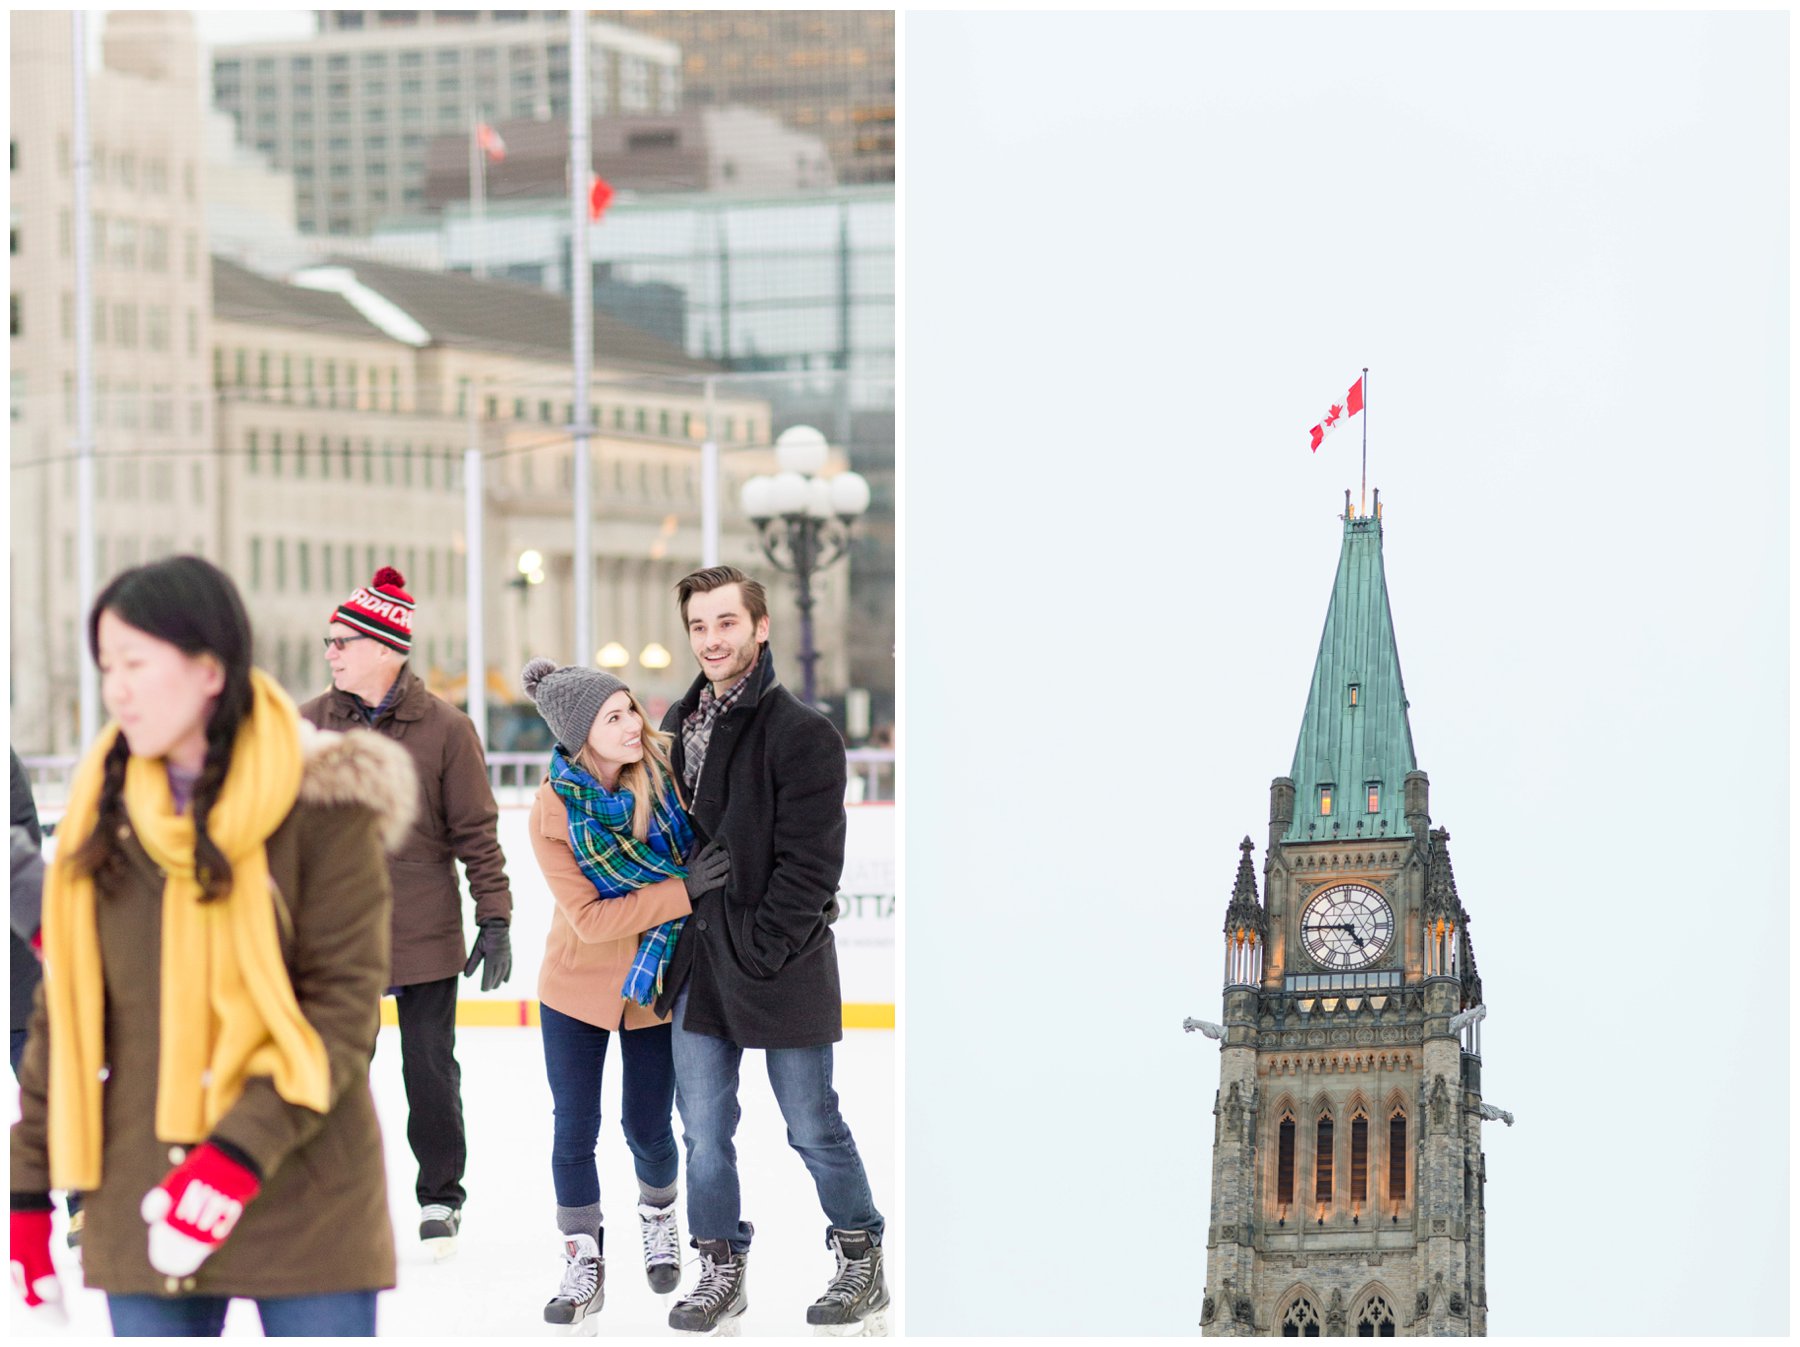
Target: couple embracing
[695,872]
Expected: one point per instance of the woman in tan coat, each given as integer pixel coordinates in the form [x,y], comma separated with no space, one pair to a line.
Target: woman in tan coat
[612,838]
[215,933]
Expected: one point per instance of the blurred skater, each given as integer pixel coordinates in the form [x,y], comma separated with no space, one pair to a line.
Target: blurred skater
[27,917]
[613,840]
[758,968]
[374,686]
[215,945]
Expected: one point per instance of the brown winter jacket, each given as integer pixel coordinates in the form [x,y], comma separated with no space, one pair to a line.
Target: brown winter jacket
[593,939]
[320,1224]
[457,820]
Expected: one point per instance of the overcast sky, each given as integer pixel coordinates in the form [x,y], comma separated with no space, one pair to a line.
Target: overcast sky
[1143,254]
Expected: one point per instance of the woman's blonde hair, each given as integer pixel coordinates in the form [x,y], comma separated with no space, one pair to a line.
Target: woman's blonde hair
[646,779]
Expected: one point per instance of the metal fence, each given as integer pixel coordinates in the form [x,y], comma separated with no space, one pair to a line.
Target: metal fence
[514,776]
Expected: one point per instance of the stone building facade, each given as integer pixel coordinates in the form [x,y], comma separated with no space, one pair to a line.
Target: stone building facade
[1348,1172]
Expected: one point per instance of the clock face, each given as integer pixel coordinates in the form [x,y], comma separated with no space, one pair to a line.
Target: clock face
[1347,926]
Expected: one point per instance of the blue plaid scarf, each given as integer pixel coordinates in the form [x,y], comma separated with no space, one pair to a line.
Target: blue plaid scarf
[616,863]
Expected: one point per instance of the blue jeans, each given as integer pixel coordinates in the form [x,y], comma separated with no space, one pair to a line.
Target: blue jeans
[574,1054]
[345,1314]
[706,1087]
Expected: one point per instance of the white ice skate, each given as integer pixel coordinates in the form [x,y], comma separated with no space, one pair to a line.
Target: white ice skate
[576,1304]
[662,1247]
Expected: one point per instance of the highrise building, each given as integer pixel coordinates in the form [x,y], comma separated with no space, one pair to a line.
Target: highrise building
[350,110]
[156,479]
[830,72]
[1347,1173]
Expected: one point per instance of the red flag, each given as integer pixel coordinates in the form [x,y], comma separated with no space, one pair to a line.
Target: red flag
[1339,413]
[490,142]
[598,196]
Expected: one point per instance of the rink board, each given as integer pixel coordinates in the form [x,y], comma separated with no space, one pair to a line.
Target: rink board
[864,932]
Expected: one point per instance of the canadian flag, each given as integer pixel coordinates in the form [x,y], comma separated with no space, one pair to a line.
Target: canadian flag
[1339,413]
[599,195]
[490,142]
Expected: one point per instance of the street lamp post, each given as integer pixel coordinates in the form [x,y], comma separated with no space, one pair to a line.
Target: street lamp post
[530,572]
[803,523]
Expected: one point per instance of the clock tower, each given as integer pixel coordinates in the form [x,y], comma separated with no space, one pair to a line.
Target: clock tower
[1347,1165]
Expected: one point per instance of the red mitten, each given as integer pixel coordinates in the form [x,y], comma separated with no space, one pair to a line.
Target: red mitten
[32,1271]
[194,1208]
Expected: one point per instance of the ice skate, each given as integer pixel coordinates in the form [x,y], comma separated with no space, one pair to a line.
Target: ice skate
[718,1299]
[576,1304]
[662,1246]
[855,1304]
[438,1226]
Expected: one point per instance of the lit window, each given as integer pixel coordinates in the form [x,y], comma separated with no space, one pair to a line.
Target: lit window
[1359,1159]
[1322,1158]
[1397,1157]
[1325,794]
[1284,1162]
[1356,694]
[1374,797]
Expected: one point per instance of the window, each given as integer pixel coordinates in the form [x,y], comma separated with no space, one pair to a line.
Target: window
[1397,1156]
[1356,694]
[1359,1159]
[275,453]
[1301,1320]
[299,455]
[1374,797]
[1322,1158]
[1284,1163]
[304,551]
[1376,1319]
[256,574]
[281,565]
[1325,793]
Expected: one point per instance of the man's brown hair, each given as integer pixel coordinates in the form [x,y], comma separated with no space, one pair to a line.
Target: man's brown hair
[717,577]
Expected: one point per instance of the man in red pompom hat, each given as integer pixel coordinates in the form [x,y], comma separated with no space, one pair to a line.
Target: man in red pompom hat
[373,687]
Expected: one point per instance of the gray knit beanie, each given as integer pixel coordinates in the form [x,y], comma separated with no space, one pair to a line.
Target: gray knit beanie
[568,698]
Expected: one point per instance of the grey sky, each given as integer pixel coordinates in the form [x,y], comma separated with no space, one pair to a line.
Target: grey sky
[1143,254]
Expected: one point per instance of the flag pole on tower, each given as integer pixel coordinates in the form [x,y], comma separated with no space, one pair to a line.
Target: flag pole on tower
[1364,506]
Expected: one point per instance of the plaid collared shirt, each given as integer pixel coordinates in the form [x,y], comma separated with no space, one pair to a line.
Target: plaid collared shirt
[697,727]
[371,714]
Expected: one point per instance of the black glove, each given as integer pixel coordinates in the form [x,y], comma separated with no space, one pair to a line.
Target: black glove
[494,946]
[833,910]
[707,871]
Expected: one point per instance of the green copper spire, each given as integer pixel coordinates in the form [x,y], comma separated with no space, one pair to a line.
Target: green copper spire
[1355,737]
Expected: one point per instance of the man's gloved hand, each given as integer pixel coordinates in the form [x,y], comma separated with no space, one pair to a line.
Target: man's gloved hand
[492,954]
[833,910]
[195,1207]
[708,870]
[32,1271]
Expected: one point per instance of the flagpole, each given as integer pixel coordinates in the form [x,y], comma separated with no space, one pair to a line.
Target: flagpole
[1364,506]
[477,191]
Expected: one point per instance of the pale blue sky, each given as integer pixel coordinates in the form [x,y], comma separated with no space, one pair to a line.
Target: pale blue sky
[1143,254]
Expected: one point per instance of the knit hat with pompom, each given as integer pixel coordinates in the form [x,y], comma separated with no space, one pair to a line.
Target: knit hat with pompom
[381,609]
[568,698]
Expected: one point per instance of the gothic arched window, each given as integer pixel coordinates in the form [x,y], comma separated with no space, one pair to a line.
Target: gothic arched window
[1376,1319]
[1359,1159]
[1322,1158]
[1301,1320]
[1284,1161]
[1397,1156]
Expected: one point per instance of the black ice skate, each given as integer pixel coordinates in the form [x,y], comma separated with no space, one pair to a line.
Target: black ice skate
[662,1246]
[583,1289]
[437,1229]
[718,1299]
[855,1304]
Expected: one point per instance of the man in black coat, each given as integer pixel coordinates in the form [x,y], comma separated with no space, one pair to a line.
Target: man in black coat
[756,965]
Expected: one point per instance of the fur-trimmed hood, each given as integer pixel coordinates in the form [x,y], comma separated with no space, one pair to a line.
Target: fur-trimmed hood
[361,767]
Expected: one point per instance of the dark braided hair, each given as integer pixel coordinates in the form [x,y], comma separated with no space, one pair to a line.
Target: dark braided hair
[193,605]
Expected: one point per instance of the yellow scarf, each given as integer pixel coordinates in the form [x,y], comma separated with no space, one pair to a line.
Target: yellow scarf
[228,1008]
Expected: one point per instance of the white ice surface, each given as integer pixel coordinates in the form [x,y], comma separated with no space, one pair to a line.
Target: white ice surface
[509,1257]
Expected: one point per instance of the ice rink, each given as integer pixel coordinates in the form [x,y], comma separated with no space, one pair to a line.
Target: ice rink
[509,1258]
